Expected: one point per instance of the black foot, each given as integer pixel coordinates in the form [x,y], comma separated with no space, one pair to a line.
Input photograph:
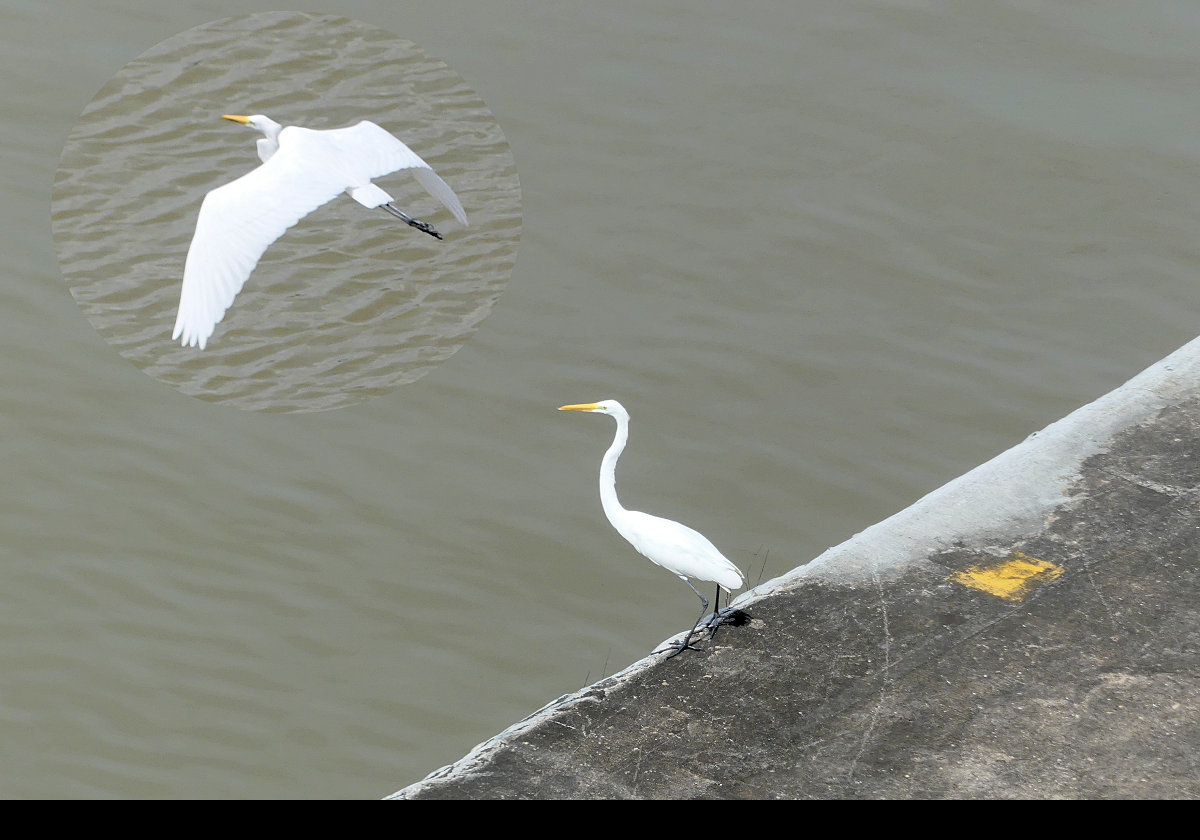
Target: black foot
[728,617]
[425,227]
[677,648]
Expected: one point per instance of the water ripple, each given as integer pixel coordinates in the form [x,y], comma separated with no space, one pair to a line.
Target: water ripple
[345,306]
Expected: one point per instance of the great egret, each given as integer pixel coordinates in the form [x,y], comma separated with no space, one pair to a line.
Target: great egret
[301,169]
[664,542]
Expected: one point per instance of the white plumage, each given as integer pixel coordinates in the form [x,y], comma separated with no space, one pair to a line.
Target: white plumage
[302,169]
[664,542]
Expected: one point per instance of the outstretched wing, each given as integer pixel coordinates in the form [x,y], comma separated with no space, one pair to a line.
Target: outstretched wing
[239,221]
[373,152]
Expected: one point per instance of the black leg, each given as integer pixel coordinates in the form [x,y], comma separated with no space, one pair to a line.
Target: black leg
[715,621]
[730,615]
[718,619]
[679,647]
[425,227]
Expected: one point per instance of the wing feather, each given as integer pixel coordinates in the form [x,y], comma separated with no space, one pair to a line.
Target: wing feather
[679,549]
[236,225]
[375,152]
[239,221]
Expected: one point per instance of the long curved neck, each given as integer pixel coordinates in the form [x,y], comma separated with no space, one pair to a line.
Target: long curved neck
[608,471]
[269,145]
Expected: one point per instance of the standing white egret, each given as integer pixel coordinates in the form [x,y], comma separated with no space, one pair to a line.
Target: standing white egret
[301,169]
[664,542]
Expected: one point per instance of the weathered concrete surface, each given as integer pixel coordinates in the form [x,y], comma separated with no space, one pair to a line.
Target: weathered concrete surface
[883,670]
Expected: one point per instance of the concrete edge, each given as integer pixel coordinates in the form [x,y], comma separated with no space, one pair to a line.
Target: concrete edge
[1010,494]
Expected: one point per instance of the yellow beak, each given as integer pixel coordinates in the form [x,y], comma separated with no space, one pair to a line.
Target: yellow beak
[236,118]
[579,407]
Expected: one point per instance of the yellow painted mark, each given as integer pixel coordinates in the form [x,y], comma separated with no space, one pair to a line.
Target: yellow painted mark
[1012,578]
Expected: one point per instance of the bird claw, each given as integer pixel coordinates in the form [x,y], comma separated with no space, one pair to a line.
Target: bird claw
[425,227]
[730,616]
[677,648]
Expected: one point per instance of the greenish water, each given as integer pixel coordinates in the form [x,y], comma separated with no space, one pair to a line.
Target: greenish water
[829,255]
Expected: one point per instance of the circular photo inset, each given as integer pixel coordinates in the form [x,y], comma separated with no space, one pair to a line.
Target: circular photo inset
[286,212]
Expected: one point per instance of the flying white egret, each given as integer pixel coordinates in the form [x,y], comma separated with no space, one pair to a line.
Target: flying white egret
[301,169]
[664,542]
